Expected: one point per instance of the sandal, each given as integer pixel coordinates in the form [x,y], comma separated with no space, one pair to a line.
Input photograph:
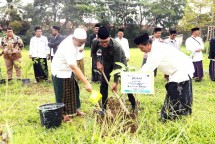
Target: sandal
[81,114]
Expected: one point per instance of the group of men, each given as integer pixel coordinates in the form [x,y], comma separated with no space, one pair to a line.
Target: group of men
[165,55]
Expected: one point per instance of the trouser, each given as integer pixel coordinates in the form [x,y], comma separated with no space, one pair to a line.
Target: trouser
[13,63]
[198,70]
[104,89]
[212,70]
[80,64]
[178,101]
[40,69]
[95,75]
[155,71]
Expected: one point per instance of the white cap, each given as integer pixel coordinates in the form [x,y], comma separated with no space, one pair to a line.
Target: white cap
[80,33]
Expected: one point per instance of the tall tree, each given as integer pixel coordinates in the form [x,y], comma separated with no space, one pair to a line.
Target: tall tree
[11,10]
[165,13]
[197,13]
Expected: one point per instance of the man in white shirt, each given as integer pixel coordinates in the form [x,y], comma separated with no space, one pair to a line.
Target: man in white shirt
[171,40]
[180,69]
[64,69]
[124,43]
[38,52]
[155,38]
[196,45]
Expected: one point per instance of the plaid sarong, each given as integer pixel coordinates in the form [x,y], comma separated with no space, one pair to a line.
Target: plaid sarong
[65,92]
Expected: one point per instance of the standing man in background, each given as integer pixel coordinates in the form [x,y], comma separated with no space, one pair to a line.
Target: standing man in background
[212,59]
[171,40]
[55,40]
[38,52]
[155,38]
[124,43]
[95,75]
[11,49]
[80,58]
[196,45]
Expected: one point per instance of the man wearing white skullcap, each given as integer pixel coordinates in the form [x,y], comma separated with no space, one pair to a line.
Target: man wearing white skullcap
[64,69]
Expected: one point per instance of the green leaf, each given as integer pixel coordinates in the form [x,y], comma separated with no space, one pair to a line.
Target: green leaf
[116,72]
[121,64]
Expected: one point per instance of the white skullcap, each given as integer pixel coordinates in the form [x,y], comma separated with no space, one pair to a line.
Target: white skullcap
[80,33]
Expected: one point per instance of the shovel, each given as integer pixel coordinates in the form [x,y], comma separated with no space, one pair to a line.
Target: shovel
[118,97]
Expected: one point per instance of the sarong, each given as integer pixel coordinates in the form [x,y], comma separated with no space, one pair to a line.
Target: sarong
[67,92]
[178,101]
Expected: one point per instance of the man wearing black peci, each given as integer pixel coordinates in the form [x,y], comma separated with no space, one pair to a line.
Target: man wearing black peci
[111,53]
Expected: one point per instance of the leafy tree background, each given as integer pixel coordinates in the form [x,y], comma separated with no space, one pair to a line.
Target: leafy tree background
[134,16]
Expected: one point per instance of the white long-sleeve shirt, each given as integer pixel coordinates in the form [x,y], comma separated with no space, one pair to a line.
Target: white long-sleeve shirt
[125,46]
[170,61]
[172,42]
[192,45]
[39,47]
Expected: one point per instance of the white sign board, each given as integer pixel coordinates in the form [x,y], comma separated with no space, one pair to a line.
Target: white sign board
[136,82]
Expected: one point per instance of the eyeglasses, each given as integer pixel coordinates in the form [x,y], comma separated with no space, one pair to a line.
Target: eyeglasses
[174,35]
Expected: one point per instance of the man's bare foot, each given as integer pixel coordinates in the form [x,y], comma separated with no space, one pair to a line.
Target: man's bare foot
[67,118]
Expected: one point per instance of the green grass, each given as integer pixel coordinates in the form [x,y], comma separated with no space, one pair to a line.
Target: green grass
[19,115]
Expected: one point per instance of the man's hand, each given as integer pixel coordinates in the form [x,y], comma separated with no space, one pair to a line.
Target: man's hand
[88,87]
[198,50]
[114,87]
[100,66]
[30,56]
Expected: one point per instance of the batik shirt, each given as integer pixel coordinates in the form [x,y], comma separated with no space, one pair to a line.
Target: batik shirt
[12,47]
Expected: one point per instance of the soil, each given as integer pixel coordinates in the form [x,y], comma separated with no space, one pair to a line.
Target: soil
[115,113]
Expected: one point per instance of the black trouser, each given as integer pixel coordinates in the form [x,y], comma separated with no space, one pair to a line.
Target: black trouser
[144,61]
[95,75]
[104,89]
[40,69]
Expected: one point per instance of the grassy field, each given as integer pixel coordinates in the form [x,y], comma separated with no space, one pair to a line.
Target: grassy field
[19,116]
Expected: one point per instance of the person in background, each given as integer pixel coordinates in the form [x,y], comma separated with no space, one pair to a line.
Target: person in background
[64,70]
[80,58]
[11,50]
[172,39]
[196,45]
[55,40]
[178,66]
[212,59]
[38,52]
[95,75]
[172,42]
[155,38]
[124,43]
